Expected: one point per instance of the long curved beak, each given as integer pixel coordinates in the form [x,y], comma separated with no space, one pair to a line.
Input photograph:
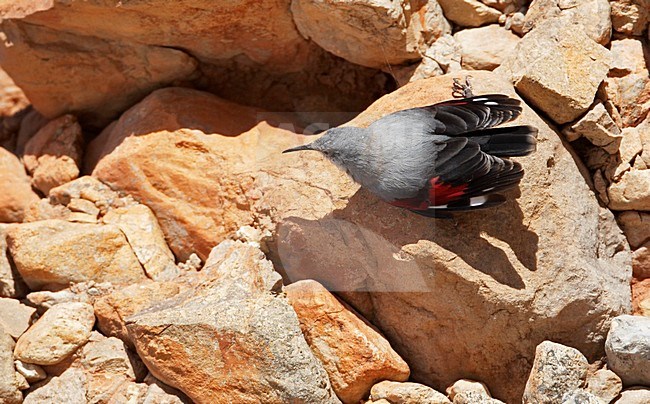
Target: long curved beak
[299,148]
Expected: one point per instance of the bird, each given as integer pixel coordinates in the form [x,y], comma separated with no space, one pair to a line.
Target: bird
[438,159]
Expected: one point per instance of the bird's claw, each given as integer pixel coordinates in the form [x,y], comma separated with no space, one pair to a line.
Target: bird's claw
[462,90]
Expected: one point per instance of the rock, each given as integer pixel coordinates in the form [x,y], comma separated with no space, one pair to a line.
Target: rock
[580,396]
[628,83]
[57,334]
[485,48]
[518,278]
[15,317]
[604,384]
[558,69]
[464,385]
[557,370]
[230,339]
[112,310]
[69,387]
[9,390]
[631,191]
[404,393]
[598,127]
[32,373]
[198,180]
[641,262]
[371,33]
[641,297]
[53,253]
[85,292]
[634,395]
[147,240]
[630,16]
[53,156]
[146,393]
[354,354]
[11,285]
[445,52]
[474,397]
[86,188]
[590,16]
[15,190]
[628,349]
[469,13]
[245,51]
[636,226]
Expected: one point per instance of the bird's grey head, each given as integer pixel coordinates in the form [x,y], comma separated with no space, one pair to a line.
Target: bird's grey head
[340,145]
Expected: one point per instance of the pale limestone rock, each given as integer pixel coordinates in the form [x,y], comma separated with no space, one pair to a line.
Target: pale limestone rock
[57,334]
[372,33]
[9,384]
[631,191]
[140,226]
[636,226]
[579,396]
[630,16]
[634,395]
[260,343]
[604,384]
[16,193]
[628,349]
[68,387]
[590,16]
[11,285]
[53,155]
[112,310]
[354,354]
[83,206]
[485,48]
[464,385]
[55,253]
[32,373]
[469,13]
[557,370]
[15,317]
[406,392]
[558,68]
[446,52]
[474,397]
[598,127]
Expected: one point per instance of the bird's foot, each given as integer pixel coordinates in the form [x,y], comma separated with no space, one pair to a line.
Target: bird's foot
[462,90]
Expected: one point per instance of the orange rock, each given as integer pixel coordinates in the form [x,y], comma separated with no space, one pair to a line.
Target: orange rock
[55,253]
[641,297]
[53,155]
[354,353]
[16,193]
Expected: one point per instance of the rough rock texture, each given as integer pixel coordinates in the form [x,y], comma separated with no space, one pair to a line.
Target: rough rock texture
[604,384]
[112,310]
[15,317]
[485,48]
[590,16]
[580,396]
[354,354]
[15,190]
[598,127]
[68,387]
[630,16]
[628,83]
[197,180]
[58,333]
[506,269]
[11,285]
[628,349]
[641,297]
[140,226]
[636,226]
[557,370]
[54,253]
[558,69]
[474,397]
[631,191]
[499,271]
[53,156]
[404,393]
[230,339]
[373,33]
[9,391]
[635,395]
[248,51]
[464,385]
[469,13]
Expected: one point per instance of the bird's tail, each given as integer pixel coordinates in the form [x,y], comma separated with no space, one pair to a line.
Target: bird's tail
[509,141]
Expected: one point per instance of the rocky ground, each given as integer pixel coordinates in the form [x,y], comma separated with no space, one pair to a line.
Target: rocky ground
[156,246]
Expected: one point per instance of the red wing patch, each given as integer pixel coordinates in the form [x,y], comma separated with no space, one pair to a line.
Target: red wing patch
[441,193]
